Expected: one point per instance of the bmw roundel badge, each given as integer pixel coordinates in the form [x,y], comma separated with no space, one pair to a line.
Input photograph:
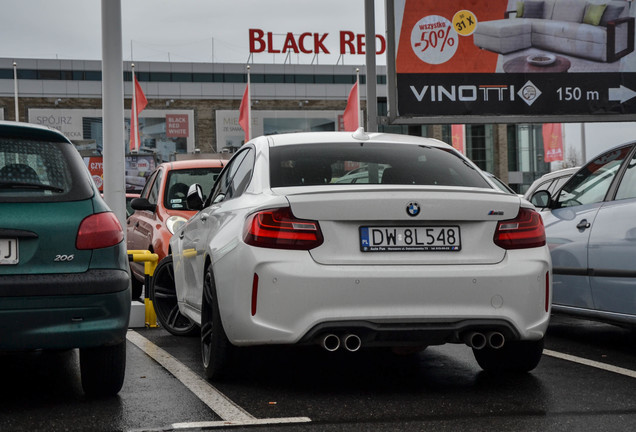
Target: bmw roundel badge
[413,209]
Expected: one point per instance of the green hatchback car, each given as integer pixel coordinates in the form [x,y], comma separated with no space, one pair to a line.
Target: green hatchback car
[64,278]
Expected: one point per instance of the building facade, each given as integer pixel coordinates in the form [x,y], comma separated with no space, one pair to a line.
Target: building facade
[194,108]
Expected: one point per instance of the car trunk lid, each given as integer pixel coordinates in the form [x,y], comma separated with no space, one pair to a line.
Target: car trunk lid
[469,215]
[45,235]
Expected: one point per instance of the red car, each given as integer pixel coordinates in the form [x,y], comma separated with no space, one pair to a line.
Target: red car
[161,208]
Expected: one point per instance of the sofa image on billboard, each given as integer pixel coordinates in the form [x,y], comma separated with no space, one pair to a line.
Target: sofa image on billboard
[588,29]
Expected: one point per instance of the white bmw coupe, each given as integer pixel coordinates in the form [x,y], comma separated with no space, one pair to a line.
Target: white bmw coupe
[425,250]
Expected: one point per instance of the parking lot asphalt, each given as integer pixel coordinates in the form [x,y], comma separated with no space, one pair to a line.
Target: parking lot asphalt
[584,382]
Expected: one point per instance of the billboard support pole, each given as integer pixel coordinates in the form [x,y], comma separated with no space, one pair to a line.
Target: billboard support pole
[372,100]
[113,109]
[389,14]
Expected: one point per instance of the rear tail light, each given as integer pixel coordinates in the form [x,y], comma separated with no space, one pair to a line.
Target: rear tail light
[524,231]
[280,229]
[98,231]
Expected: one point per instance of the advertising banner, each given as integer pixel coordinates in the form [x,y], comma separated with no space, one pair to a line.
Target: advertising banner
[459,60]
[138,169]
[552,142]
[163,132]
[230,136]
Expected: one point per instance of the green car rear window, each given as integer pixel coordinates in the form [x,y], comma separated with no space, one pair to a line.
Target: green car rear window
[35,170]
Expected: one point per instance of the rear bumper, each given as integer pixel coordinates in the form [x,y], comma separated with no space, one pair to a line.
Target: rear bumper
[297,299]
[97,281]
[65,311]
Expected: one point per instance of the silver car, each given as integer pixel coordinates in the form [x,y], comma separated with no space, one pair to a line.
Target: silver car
[428,253]
[591,232]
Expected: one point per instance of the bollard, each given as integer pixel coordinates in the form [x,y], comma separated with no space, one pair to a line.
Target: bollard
[150,264]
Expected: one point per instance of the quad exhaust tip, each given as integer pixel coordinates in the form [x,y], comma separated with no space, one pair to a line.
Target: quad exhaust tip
[331,342]
[478,340]
[352,342]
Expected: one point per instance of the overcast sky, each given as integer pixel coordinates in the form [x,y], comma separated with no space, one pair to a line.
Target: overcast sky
[179,30]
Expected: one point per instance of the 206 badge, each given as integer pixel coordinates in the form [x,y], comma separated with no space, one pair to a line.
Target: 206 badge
[413,209]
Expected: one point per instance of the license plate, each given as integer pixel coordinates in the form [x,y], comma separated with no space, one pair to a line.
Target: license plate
[410,239]
[8,251]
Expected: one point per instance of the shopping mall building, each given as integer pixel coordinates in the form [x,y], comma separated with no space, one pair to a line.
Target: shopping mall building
[194,108]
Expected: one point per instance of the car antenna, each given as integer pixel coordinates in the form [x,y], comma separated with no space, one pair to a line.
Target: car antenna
[360,134]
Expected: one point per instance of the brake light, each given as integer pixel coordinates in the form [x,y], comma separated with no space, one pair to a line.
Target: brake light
[280,229]
[524,231]
[98,231]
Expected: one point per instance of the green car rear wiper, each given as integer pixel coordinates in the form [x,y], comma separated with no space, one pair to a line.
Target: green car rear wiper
[39,186]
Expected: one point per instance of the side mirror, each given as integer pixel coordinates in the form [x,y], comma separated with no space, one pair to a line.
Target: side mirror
[541,199]
[194,199]
[142,204]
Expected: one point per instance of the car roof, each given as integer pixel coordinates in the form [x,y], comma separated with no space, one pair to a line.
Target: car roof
[194,163]
[559,173]
[31,130]
[346,137]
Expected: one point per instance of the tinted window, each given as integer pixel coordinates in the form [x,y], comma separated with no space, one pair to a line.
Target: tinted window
[146,190]
[590,185]
[374,163]
[180,180]
[557,183]
[224,185]
[153,195]
[243,174]
[32,170]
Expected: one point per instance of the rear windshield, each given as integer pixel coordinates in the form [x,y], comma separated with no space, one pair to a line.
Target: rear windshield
[32,170]
[370,163]
[180,180]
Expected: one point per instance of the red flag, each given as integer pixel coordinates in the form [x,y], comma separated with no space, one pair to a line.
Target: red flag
[458,137]
[552,142]
[351,115]
[138,105]
[244,113]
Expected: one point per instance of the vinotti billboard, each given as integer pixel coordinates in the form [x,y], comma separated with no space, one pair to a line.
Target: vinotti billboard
[462,61]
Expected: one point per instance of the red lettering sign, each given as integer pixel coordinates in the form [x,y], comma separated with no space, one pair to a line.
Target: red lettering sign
[256,36]
[350,43]
[177,126]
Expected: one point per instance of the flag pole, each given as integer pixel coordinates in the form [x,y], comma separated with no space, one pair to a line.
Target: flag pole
[249,105]
[15,90]
[134,119]
[358,86]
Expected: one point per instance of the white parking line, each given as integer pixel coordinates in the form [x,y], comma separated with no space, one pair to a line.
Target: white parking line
[230,413]
[604,366]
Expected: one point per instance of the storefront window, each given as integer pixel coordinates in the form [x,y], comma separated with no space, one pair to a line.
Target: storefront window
[479,146]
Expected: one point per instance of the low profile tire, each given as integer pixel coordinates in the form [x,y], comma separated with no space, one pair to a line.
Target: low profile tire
[103,369]
[216,349]
[513,357]
[137,288]
[164,299]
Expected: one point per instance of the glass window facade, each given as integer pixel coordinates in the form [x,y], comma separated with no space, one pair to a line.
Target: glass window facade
[68,75]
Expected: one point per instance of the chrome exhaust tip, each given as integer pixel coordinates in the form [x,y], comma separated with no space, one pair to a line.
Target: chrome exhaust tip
[496,340]
[475,340]
[330,342]
[352,342]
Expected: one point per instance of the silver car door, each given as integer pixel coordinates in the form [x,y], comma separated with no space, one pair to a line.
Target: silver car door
[612,249]
[568,227]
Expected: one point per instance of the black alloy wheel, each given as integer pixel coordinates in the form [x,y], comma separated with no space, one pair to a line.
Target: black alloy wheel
[164,299]
[216,349]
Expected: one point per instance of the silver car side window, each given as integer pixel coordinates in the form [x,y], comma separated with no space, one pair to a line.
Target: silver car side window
[590,185]
[627,188]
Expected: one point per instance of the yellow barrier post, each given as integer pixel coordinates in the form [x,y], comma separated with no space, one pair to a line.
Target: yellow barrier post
[150,264]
